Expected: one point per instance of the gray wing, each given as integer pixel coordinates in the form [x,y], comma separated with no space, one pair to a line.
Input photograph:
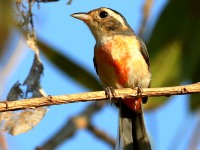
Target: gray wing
[144,52]
[95,65]
[94,61]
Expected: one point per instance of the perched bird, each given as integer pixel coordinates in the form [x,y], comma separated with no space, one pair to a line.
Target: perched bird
[121,61]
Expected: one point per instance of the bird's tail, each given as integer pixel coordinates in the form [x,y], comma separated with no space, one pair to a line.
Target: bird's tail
[132,133]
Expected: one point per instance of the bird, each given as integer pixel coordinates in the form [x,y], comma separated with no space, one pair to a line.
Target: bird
[121,60]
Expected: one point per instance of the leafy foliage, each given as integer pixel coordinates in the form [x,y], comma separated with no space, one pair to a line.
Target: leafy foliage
[174,48]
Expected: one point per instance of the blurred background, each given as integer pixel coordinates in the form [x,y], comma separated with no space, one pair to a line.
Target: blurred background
[171,31]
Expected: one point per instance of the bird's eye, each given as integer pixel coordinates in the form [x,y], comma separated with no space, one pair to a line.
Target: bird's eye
[103,14]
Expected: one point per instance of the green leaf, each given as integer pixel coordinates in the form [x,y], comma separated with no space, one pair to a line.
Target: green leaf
[5,25]
[163,71]
[195,102]
[174,47]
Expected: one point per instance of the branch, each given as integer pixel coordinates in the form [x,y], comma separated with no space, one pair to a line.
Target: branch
[147,6]
[33,103]
[82,120]
[3,141]
[101,134]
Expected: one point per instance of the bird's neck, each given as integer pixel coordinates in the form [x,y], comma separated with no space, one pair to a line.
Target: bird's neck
[106,37]
[103,39]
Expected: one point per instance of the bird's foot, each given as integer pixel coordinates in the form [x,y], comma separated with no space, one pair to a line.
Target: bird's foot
[139,100]
[110,93]
[139,93]
[139,90]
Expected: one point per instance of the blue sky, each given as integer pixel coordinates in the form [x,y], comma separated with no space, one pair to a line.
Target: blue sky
[54,25]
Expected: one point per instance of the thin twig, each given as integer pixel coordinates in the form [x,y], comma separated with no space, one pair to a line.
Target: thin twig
[146,13]
[101,134]
[3,142]
[30,14]
[72,125]
[97,96]
[69,2]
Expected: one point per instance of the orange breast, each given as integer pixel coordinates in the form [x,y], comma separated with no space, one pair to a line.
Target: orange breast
[113,60]
[121,64]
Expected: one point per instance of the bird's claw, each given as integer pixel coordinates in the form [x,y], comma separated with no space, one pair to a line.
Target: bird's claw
[139,90]
[139,94]
[110,93]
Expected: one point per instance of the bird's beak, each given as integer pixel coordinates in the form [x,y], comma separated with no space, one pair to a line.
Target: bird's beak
[81,16]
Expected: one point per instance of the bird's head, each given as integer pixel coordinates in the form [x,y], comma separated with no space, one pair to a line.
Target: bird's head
[105,23]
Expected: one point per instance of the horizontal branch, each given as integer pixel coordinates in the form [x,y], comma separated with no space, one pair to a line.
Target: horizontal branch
[33,103]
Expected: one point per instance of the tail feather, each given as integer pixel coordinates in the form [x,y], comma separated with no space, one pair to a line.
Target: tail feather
[132,132]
